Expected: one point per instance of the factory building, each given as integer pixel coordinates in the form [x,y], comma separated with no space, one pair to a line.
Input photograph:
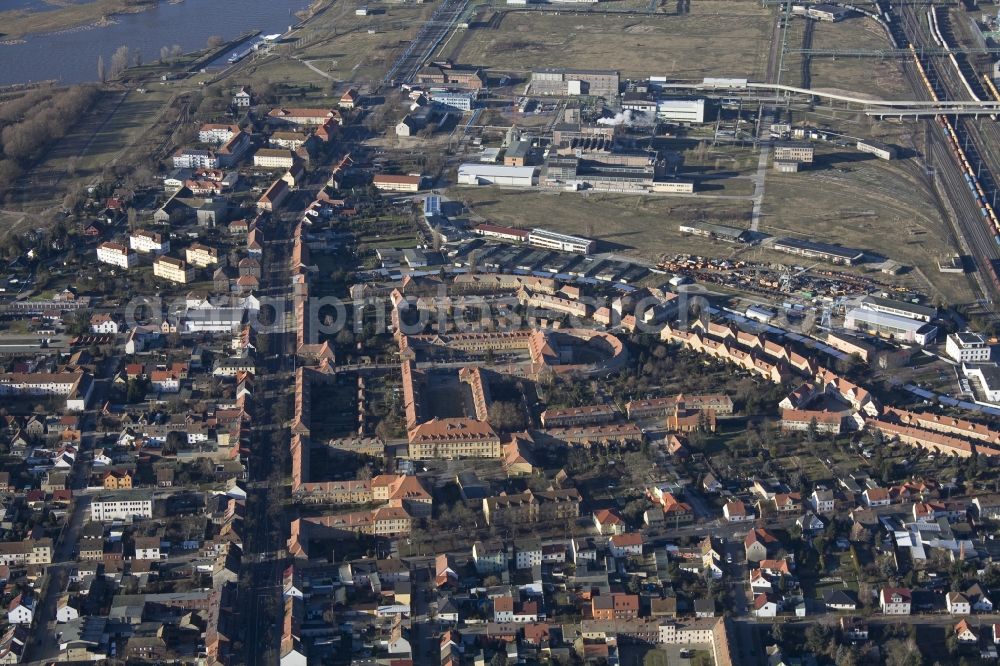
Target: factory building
[518,154]
[491,174]
[558,81]
[681,110]
[901,329]
[833,253]
[793,151]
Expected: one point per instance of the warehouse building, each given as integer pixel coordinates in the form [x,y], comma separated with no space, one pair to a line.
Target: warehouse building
[878,149]
[681,110]
[832,253]
[793,151]
[558,81]
[899,308]
[562,242]
[397,183]
[901,329]
[719,231]
[493,174]
[760,313]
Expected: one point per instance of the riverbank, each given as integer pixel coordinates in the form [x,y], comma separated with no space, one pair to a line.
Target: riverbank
[19,23]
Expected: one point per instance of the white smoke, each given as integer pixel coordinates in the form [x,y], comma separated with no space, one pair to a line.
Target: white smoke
[621,118]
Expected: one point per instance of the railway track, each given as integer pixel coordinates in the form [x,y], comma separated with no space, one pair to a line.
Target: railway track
[955,145]
[431,34]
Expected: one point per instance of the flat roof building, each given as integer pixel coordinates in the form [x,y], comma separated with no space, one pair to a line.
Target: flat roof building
[967,347]
[824,12]
[559,81]
[494,174]
[562,242]
[902,329]
[462,101]
[988,377]
[794,151]
[876,148]
[825,251]
[681,110]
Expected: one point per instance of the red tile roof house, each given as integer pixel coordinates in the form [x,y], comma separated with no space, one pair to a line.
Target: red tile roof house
[608,522]
[623,545]
[736,512]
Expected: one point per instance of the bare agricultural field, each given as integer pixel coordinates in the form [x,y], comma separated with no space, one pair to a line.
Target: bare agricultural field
[880,78]
[635,45]
[644,226]
[884,207]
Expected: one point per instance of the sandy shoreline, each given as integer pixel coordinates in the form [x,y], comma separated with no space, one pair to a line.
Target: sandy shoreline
[65,20]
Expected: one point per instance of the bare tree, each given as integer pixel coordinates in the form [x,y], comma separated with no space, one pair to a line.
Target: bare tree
[120,61]
[215,41]
[102,75]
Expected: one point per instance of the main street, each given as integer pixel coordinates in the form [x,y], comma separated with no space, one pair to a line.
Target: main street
[263,561]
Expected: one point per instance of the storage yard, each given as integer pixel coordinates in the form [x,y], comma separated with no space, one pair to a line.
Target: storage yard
[869,204]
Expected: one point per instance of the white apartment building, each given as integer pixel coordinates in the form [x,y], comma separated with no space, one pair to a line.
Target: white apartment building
[39,383]
[201,255]
[147,548]
[528,556]
[192,158]
[149,242]
[692,632]
[19,553]
[967,347]
[274,158]
[121,506]
[174,270]
[217,134]
[116,254]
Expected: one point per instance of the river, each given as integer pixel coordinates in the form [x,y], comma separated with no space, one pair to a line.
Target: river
[71,56]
